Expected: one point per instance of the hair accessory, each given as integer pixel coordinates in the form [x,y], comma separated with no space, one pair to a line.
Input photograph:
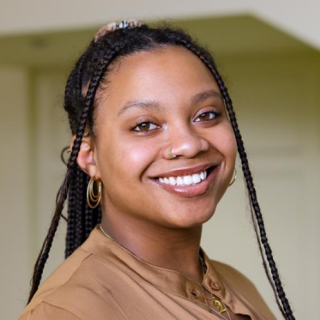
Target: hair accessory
[93,199]
[172,156]
[114,26]
[233,178]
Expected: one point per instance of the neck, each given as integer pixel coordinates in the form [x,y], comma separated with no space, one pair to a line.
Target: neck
[175,249]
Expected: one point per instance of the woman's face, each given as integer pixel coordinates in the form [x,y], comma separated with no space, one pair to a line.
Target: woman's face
[153,101]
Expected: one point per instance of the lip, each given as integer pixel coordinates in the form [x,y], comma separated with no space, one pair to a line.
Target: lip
[193,190]
[184,172]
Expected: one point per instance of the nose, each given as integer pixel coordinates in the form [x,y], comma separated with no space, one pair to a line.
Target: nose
[186,142]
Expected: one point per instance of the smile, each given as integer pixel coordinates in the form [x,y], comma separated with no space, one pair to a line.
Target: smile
[188,185]
[187,180]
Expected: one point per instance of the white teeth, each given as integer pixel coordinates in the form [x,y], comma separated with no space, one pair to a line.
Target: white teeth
[172,181]
[196,178]
[185,180]
[179,181]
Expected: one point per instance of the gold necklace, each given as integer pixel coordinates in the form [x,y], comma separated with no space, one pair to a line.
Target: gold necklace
[104,233]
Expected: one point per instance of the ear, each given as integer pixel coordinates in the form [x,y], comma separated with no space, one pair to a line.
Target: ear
[85,158]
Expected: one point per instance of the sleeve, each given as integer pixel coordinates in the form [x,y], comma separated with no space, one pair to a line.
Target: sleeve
[46,311]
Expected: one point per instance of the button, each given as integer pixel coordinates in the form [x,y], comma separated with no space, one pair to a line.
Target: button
[215,286]
[194,294]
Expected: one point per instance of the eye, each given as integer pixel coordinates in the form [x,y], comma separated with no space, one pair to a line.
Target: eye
[207,116]
[145,126]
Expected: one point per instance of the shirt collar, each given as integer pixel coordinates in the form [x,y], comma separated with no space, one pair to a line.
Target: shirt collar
[166,280]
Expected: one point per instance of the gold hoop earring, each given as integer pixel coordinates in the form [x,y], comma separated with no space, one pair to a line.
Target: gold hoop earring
[93,199]
[233,178]
[172,156]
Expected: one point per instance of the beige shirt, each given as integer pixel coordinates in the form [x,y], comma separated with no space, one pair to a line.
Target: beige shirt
[103,281]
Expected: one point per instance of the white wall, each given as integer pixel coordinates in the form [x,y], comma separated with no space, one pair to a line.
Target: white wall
[52,136]
[32,134]
[16,226]
[277,101]
[300,19]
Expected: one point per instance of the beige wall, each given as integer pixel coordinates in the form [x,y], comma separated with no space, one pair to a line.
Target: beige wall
[65,14]
[277,102]
[15,227]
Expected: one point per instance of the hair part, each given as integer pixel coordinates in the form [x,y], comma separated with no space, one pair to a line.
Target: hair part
[89,76]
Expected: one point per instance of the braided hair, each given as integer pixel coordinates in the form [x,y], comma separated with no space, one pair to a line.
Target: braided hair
[89,73]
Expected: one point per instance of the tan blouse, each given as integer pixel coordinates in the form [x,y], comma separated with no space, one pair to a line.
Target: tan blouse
[103,281]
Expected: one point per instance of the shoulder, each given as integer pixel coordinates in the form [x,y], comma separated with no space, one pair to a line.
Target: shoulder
[72,290]
[244,286]
[39,307]
[48,311]
[236,278]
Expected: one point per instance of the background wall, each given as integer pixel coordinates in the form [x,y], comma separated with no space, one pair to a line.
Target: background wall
[300,19]
[273,79]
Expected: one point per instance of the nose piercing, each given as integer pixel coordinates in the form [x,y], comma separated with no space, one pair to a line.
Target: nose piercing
[170,154]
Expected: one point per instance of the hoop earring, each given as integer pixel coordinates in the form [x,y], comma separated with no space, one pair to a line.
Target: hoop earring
[93,199]
[172,156]
[233,178]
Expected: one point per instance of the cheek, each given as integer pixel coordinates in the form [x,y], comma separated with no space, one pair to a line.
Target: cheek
[136,157]
[224,140]
[230,145]
[121,157]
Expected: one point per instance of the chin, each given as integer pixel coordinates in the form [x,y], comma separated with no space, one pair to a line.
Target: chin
[190,218]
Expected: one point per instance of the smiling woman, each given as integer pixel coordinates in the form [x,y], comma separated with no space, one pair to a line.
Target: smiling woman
[153,152]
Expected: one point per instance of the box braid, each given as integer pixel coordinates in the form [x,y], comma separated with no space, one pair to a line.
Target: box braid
[90,73]
[255,207]
[71,165]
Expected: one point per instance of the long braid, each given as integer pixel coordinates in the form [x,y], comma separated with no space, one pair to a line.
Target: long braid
[70,237]
[255,206]
[276,285]
[74,235]
[79,181]
[45,249]
[89,220]
[63,191]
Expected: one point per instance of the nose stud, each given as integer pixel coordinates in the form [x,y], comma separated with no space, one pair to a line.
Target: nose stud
[172,156]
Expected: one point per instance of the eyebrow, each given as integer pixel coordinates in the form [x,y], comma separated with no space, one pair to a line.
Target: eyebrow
[146,105]
[155,106]
[205,95]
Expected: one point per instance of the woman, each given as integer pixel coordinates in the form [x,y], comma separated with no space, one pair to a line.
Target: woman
[153,151]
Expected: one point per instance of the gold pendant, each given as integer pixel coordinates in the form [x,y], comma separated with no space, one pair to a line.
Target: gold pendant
[222,309]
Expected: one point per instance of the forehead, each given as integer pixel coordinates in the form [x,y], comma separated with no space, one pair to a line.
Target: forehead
[168,75]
